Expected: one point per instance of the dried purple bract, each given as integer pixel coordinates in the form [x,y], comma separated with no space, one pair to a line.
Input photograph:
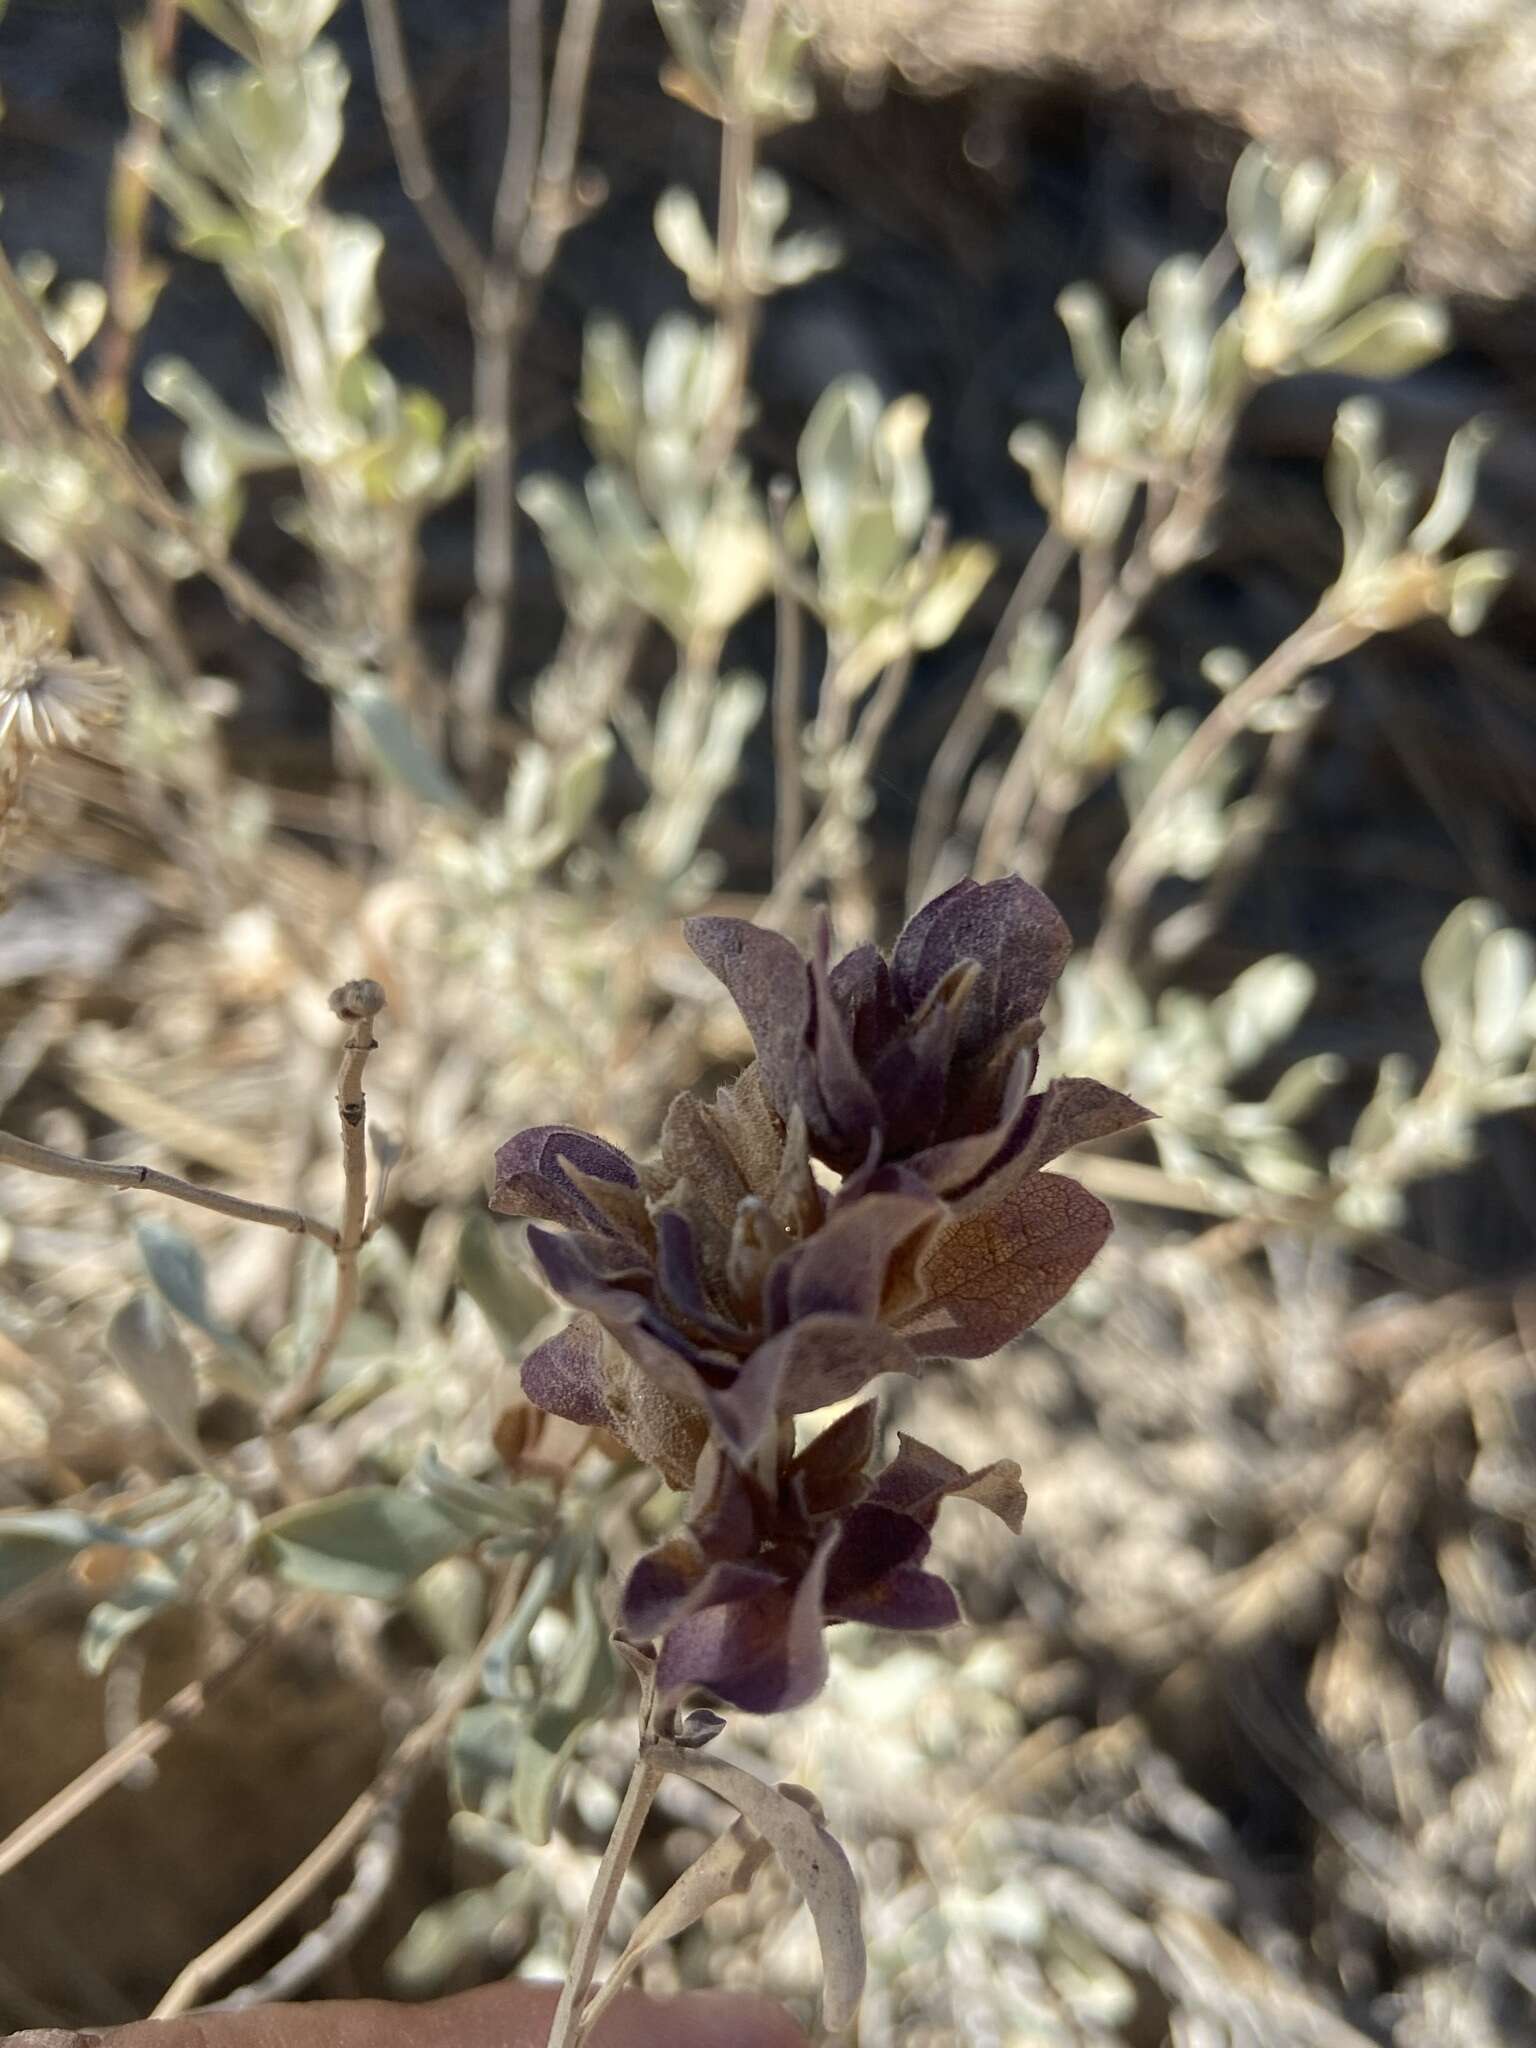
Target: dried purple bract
[727,1286]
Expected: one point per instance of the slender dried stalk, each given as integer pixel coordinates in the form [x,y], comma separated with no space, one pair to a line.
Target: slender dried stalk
[125,1757]
[128,213]
[738,307]
[358,1003]
[374,1869]
[386,1795]
[859,751]
[788,691]
[968,729]
[535,204]
[248,597]
[1135,869]
[1101,623]
[1189,929]
[568,2027]
[129,1179]
[413,157]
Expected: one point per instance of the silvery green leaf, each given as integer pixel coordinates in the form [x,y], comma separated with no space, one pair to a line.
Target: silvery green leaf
[1254,215]
[1262,1007]
[1388,338]
[1039,456]
[1475,581]
[609,399]
[900,434]
[1455,491]
[373,1540]
[144,1341]
[811,1858]
[512,1302]
[686,241]
[833,455]
[34,1544]
[460,1930]
[1225,667]
[348,263]
[962,574]
[560,514]
[1302,1086]
[391,741]
[481,1753]
[548,1579]
[1502,981]
[1450,962]
[1082,312]
[800,257]
[587,1681]
[175,1265]
[692,49]
[448,1604]
[111,1622]
[476,1506]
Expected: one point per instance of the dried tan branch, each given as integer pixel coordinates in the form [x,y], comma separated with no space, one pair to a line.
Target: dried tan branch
[248,597]
[129,1179]
[535,204]
[124,1758]
[968,729]
[413,156]
[384,1796]
[1134,871]
[358,1003]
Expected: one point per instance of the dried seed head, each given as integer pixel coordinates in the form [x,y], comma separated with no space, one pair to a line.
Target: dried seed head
[49,698]
[356,1000]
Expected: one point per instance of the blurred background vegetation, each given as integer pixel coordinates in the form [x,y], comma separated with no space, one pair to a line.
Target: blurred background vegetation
[1239,1748]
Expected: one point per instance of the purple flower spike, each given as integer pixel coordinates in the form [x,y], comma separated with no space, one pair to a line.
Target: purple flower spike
[871,1192]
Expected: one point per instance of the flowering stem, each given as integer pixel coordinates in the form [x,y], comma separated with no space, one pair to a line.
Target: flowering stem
[569,2025]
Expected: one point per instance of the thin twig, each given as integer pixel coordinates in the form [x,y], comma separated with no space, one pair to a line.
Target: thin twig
[534,207]
[128,212]
[569,2024]
[857,754]
[968,729]
[386,1794]
[358,1003]
[124,1758]
[374,1868]
[788,691]
[1261,811]
[249,598]
[1101,624]
[129,1179]
[413,156]
[1135,869]
[737,305]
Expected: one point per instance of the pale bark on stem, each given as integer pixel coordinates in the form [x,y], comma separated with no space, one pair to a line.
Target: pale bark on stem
[247,597]
[128,210]
[413,157]
[131,1179]
[1134,871]
[568,2028]
[358,1003]
[860,749]
[535,205]
[1100,627]
[124,1757]
[788,691]
[384,1796]
[963,738]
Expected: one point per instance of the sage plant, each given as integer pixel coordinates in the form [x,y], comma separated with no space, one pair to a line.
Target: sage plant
[869,1194]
